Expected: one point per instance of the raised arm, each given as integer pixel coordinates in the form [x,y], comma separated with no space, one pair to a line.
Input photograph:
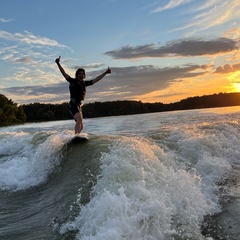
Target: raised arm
[101,76]
[57,61]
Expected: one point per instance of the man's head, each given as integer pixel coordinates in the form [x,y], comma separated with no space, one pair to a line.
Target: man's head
[80,73]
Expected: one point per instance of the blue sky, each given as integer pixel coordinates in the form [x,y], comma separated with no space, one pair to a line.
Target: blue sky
[159,51]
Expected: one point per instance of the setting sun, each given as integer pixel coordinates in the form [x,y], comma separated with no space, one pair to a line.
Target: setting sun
[236,86]
[234,79]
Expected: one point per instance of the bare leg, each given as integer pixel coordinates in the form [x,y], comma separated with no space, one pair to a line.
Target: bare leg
[79,122]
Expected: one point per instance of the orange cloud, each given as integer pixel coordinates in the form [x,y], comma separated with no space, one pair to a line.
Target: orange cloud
[233,33]
[228,68]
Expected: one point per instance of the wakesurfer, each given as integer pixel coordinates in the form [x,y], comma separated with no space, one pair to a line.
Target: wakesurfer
[77,88]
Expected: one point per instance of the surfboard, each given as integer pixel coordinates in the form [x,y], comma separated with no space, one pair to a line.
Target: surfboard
[79,138]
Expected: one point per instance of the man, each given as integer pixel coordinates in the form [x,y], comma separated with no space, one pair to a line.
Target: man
[77,88]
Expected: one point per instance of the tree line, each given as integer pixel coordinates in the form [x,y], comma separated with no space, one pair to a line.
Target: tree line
[11,113]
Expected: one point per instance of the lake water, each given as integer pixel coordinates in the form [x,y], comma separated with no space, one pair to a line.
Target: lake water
[171,175]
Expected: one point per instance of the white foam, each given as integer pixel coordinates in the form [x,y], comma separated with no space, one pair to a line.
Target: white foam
[141,195]
[211,150]
[28,159]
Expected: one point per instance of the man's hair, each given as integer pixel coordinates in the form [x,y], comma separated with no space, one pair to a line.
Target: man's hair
[80,70]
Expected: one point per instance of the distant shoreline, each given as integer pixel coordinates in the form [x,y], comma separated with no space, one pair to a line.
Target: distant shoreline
[42,112]
[49,112]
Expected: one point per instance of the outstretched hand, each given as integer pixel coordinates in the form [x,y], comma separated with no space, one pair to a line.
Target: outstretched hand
[58,60]
[108,70]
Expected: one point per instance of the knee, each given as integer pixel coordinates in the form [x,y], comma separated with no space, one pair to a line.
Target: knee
[78,118]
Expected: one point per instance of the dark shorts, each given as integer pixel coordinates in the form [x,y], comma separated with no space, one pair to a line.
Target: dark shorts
[75,107]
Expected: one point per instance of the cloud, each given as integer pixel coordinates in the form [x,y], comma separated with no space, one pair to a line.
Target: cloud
[29,38]
[89,66]
[26,60]
[228,68]
[42,93]
[183,48]
[3,20]
[212,13]
[123,83]
[27,48]
[202,15]
[170,5]
[233,33]
[33,58]
[206,5]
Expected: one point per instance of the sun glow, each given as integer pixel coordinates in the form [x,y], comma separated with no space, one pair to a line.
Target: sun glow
[235,82]
[236,86]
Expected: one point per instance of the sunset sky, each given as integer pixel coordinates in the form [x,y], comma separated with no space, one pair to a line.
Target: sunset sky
[158,50]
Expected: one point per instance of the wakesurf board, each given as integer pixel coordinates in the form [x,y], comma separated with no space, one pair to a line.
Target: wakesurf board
[80,138]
